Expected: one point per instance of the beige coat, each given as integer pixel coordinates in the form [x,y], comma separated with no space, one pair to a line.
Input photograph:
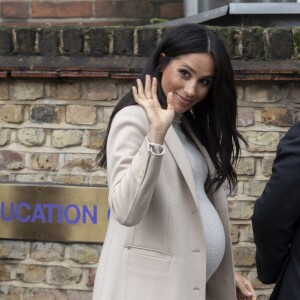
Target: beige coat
[154,247]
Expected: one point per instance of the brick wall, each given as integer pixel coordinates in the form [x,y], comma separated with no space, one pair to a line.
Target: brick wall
[35,271]
[57,91]
[87,12]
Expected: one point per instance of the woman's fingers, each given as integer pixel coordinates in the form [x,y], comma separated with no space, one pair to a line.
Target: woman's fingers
[244,287]
[138,93]
[147,96]
[135,94]
[148,92]
[170,101]
[140,88]
[148,87]
[154,88]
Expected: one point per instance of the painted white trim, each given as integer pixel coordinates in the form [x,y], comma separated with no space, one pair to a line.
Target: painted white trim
[264,8]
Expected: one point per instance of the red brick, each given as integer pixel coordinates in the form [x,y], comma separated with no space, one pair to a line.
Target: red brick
[61,10]
[124,9]
[278,116]
[91,277]
[17,10]
[105,9]
[11,160]
[171,10]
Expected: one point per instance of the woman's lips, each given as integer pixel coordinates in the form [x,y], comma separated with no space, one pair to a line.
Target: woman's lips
[184,100]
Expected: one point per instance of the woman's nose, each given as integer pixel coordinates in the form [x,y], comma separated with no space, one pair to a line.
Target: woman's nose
[190,89]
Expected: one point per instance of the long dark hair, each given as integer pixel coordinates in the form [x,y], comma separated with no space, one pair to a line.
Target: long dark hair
[213,119]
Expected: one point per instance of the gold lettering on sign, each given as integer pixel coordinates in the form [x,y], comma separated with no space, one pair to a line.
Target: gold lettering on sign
[53,213]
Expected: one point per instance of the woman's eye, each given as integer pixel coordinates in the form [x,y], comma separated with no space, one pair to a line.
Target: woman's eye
[205,82]
[184,73]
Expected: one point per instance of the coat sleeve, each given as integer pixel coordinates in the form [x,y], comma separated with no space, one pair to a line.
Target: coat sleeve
[132,169]
[277,211]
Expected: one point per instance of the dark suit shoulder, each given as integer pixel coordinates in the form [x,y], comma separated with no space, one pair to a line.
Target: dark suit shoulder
[294,131]
[290,143]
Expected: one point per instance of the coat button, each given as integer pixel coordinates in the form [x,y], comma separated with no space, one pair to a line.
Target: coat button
[196,292]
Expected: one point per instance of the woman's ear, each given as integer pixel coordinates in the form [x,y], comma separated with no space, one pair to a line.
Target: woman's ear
[161,58]
[161,55]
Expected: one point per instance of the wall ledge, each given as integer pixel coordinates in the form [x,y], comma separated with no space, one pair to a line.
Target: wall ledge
[125,67]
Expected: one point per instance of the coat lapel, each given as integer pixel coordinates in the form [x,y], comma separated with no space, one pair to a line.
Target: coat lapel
[177,150]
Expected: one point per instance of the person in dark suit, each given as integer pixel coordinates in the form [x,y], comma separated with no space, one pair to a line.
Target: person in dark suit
[276,221]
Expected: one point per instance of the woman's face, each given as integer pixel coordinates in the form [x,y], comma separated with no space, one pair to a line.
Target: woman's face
[189,77]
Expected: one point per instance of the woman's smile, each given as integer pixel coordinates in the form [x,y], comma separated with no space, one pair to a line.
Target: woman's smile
[184,100]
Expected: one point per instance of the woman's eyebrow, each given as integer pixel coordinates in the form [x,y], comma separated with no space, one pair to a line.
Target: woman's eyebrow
[192,70]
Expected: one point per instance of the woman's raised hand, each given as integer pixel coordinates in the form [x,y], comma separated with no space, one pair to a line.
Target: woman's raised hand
[159,119]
